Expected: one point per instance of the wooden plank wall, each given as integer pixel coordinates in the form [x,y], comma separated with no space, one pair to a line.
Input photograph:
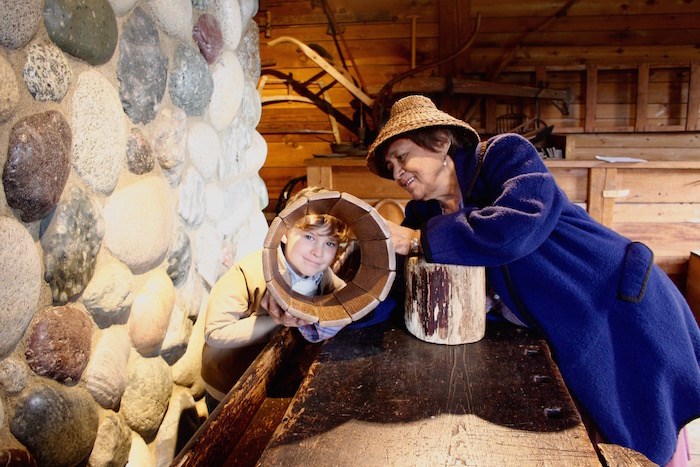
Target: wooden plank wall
[631,66]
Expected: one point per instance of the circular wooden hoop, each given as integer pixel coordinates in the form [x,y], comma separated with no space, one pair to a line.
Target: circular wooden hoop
[374,277]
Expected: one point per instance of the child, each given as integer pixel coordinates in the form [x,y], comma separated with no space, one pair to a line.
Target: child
[241,317]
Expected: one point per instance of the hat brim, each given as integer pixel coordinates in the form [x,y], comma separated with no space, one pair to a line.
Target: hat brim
[412,113]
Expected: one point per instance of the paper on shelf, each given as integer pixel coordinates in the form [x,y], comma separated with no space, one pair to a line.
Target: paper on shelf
[619,159]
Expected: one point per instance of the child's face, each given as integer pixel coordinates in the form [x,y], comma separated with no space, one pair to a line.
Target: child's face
[309,252]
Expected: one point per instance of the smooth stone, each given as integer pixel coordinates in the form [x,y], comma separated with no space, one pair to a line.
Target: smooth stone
[228,12]
[139,233]
[248,51]
[165,442]
[214,197]
[249,8]
[57,423]
[38,164]
[187,370]
[168,135]
[71,238]
[105,375]
[207,35]
[179,257]
[192,295]
[113,442]
[150,313]
[236,139]
[191,83]
[174,17]
[59,343]
[255,154]
[19,21]
[251,106]
[122,7]
[13,375]
[139,154]
[20,276]
[108,295]
[239,201]
[259,189]
[145,400]
[207,255]
[46,72]
[176,336]
[99,132]
[201,5]
[86,29]
[190,201]
[229,85]
[251,236]
[142,68]
[140,454]
[204,148]
[9,89]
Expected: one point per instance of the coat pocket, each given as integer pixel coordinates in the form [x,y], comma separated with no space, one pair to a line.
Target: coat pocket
[636,269]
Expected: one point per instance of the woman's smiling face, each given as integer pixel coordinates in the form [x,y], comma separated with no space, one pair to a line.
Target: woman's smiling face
[416,169]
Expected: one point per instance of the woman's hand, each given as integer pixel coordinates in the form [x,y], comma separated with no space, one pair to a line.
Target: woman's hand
[278,315]
[402,236]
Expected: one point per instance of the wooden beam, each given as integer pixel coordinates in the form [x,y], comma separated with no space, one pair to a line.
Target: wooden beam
[466,86]
[640,121]
[591,97]
[691,122]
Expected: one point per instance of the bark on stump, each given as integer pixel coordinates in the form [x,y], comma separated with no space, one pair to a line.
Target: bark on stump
[445,303]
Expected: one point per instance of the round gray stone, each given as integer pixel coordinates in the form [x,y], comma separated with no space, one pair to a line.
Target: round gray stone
[19,20]
[248,51]
[86,29]
[145,400]
[58,424]
[191,84]
[9,90]
[38,164]
[20,276]
[46,72]
[71,238]
[142,68]
[179,257]
[113,442]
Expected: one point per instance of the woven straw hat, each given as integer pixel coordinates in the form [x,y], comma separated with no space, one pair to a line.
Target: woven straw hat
[411,113]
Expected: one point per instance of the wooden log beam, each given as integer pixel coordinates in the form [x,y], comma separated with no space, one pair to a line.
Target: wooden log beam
[465,86]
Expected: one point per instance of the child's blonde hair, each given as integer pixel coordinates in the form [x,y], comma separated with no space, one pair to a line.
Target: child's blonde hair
[324,224]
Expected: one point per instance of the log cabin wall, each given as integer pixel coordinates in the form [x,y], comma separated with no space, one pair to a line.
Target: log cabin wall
[622,77]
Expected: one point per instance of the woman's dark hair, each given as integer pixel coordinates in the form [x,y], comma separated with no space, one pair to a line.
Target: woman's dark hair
[429,138]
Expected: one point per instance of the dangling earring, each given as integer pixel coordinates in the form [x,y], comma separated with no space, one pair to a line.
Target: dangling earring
[444,161]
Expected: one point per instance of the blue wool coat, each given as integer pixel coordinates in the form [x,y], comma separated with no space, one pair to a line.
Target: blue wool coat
[622,335]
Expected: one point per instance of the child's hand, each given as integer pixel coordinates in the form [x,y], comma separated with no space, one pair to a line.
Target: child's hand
[278,315]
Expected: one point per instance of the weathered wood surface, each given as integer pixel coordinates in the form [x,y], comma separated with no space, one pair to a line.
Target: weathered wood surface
[693,286]
[379,396]
[613,455]
[445,303]
[216,438]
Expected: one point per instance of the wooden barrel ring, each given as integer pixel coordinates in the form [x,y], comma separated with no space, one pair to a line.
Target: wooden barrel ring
[370,284]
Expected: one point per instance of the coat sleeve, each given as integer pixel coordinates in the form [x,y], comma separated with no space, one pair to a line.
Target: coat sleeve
[231,318]
[519,206]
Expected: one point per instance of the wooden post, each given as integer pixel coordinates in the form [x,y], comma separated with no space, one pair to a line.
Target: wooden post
[445,303]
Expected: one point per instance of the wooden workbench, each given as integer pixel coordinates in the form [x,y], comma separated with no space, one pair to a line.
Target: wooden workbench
[380,396]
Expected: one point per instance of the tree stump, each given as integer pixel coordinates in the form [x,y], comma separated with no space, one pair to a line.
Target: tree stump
[445,303]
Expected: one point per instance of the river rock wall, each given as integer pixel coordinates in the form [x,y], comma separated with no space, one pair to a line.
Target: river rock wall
[130,181]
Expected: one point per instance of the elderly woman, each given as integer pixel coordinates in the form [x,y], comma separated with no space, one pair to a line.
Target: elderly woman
[622,335]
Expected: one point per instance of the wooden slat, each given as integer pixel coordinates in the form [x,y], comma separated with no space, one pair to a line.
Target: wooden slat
[693,97]
[640,121]
[591,97]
